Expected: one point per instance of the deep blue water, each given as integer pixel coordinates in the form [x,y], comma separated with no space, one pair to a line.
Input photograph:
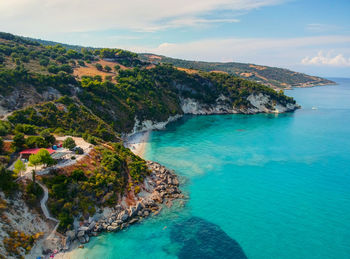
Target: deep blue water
[260,186]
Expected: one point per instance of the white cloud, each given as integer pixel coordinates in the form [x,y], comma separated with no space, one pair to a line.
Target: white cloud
[39,17]
[327,60]
[320,27]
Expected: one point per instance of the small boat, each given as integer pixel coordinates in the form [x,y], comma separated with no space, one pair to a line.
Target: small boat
[314,108]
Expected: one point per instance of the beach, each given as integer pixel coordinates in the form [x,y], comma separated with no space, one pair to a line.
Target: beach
[138,142]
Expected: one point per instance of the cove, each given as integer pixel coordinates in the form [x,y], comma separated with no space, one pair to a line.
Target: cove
[270,186]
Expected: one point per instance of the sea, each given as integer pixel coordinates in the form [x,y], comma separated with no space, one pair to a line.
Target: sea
[259,186]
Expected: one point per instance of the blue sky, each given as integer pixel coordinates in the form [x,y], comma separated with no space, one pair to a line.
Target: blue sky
[304,35]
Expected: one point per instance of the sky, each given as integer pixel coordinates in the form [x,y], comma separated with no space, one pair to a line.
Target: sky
[310,36]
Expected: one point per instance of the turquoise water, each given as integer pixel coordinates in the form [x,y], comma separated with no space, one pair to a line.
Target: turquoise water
[261,186]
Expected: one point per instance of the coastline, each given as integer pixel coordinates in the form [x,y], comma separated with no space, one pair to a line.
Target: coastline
[137,143]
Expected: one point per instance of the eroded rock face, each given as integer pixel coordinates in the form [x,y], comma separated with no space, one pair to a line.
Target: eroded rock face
[263,103]
[24,96]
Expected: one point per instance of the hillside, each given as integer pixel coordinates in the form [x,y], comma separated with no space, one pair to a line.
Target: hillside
[277,78]
[121,89]
[53,94]
[270,76]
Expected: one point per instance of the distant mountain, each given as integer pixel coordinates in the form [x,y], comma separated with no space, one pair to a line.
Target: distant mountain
[271,76]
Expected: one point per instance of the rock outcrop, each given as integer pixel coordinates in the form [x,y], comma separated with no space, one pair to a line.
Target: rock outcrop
[162,188]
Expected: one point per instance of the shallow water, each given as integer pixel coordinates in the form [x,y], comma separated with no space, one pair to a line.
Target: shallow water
[270,186]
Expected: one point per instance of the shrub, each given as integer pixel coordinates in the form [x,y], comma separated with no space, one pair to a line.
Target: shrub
[26,129]
[44,62]
[47,136]
[107,68]
[18,142]
[7,181]
[36,142]
[19,167]
[69,143]
[33,193]
[98,66]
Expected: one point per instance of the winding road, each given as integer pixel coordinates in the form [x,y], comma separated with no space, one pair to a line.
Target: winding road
[44,201]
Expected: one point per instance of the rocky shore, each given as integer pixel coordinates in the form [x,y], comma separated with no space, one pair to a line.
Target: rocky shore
[160,188]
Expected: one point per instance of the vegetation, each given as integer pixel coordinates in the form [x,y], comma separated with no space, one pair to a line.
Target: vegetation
[18,240]
[5,128]
[97,110]
[33,193]
[81,191]
[42,157]
[69,143]
[271,76]
[18,142]
[19,167]
[63,116]
[7,181]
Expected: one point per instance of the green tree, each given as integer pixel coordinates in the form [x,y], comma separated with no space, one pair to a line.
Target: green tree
[98,66]
[69,143]
[42,157]
[47,136]
[3,130]
[45,157]
[36,142]
[116,67]
[44,62]
[34,160]
[7,181]
[18,142]
[19,167]
[107,68]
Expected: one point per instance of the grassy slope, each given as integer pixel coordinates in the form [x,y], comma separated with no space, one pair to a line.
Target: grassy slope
[271,76]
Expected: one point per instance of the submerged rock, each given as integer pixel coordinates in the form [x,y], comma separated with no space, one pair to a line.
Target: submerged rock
[198,238]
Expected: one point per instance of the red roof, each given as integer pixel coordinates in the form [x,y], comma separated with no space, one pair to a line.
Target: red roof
[34,151]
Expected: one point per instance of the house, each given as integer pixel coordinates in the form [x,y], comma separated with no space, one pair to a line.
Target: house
[25,154]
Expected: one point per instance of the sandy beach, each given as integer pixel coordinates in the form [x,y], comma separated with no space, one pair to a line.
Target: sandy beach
[138,142]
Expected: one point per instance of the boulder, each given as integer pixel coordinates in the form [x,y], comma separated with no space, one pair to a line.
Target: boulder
[81,233]
[133,221]
[139,206]
[83,228]
[112,228]
[170,181]
[115,224]
[124,225]
[123,216]
[82,240]
[132,212]
[87,238]
[70,235]
[92,226]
